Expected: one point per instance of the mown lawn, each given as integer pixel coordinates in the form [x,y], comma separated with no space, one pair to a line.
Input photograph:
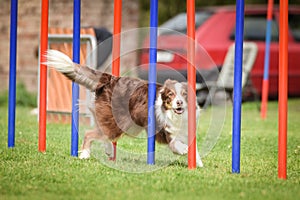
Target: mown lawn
[26,173]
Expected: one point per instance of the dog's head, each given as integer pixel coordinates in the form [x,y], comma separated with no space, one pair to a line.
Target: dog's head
[174,96]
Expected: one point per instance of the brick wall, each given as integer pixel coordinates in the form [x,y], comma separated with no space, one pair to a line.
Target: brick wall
[93,13]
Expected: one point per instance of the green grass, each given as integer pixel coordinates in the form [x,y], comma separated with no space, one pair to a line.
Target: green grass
[27,174]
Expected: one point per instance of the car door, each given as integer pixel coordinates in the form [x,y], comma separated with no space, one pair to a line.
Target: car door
[294,54]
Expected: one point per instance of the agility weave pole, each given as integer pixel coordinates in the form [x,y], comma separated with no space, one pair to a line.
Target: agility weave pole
[191,75]
[116,49]
[237,92]
[283,90]
[43,76]
[75,86]
[12,73]
[152,82]
[265,84]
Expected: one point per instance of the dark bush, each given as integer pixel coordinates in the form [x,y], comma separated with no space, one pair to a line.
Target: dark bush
[23,97]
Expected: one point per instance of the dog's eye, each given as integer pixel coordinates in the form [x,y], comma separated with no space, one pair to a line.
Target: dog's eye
[183,93]
[171,95]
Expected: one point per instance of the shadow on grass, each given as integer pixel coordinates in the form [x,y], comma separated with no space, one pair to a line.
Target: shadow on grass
[136,162]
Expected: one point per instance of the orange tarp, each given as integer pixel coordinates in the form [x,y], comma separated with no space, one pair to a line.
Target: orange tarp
[59,88]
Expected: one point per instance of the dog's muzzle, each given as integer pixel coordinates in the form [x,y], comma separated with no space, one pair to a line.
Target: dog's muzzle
[178,110]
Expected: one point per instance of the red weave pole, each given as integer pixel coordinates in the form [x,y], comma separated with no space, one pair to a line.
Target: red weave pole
[116,37]
[192,84]
[116,48]
[270,9]
[264,99]
[283,90]
[265,83]
[43,76]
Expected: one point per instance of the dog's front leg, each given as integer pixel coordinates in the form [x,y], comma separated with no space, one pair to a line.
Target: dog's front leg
[178,147]
[198,159]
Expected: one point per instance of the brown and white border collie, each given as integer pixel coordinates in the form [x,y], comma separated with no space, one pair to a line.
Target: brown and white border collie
[121,106]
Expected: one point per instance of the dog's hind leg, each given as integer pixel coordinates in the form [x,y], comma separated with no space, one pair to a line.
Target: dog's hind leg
[109,149]
[89,137]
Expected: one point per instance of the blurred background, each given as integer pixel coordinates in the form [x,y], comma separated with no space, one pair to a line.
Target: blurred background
[95,14]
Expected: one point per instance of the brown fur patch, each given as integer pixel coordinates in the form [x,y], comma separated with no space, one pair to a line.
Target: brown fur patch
[120,104]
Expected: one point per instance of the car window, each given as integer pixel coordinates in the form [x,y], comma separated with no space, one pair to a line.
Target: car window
[294,24]
[178,23]
[255,28]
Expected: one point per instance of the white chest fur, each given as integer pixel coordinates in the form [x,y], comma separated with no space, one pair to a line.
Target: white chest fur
[176,124]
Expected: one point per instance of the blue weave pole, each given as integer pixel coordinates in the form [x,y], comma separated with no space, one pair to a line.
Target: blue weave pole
[237,91]
[265,83]
[12,73]
[267,53]
[152,81]
[75,86]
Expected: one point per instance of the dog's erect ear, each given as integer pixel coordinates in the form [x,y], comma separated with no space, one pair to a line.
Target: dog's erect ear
[165,90]
[166,86]
[170,82]
[184,91]
[184,84]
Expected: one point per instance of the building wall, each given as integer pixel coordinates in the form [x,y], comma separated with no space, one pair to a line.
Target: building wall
[93,13]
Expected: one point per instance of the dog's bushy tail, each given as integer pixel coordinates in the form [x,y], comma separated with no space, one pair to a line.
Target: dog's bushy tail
[80,74]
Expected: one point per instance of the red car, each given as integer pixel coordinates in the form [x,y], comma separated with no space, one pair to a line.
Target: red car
[215,32]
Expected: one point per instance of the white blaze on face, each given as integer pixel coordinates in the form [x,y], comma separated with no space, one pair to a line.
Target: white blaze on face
[178,96]
[177,118]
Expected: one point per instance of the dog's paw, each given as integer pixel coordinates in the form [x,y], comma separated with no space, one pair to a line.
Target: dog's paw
[109,149]
[199,163]
[198,159]
[178,147]
[84,154]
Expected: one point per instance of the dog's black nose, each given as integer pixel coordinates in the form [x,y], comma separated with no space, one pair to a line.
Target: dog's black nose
[179,102]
